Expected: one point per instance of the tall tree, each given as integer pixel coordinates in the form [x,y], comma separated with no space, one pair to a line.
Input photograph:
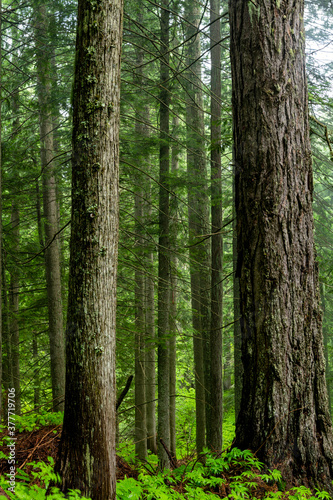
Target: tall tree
[87,451]
[50,208]
[284,414]
[163,382]
[198,218]
[215,390]
[140,355]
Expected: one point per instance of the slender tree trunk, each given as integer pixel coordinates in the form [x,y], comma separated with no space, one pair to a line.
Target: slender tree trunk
[140,368]
[198,220]
[163,254]
[52,251]
[14,294]
[215,415]
[150,344]
[36,371]
[87,458]
[7,361]
[173,289]
[284,415]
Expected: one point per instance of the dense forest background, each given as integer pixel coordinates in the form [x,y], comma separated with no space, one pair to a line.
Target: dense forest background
[167,304]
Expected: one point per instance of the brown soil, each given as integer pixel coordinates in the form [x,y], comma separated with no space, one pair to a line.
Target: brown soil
[38,445]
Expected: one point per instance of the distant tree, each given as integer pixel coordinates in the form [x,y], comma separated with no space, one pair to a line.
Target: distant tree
[50,209]
[87,450]
[284,414]
[214,384]
[198,216]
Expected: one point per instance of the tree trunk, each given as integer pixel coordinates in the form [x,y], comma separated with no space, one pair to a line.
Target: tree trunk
[36,371]
[238,365]
[215,395]
[87,450]
[284,414]
[14,294]
[198,220]
[326,338]
[173,288]
[140,368]
[163,430]
[150,337]
[7,361]
[52,250]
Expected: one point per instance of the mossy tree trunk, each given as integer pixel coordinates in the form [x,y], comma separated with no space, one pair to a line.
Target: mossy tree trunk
[87,450]
[284,414]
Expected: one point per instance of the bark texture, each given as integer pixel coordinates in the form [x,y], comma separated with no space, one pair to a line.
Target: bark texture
[284,414]
[87,450]
[215,395]
[163,430]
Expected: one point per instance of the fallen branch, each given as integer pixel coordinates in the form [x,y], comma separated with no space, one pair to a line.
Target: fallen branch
[124,391]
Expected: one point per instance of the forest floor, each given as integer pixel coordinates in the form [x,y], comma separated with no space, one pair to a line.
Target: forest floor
[37,445]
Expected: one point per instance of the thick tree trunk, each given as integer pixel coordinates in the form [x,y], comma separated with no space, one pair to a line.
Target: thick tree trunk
[198,221]
[87,450]
[52,251]
[284,414]
[14,295]
[163,430]
[215,395]
[326,336]
[238,365]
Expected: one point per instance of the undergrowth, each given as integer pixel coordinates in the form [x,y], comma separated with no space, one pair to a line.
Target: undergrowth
[211,479]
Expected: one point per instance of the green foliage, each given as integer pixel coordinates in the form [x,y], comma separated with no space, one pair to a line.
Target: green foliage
[45,473]
[33,421]
[199,481]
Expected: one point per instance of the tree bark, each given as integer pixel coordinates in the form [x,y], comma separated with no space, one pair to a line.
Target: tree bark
[238,365]
[198,220]
[87,450]
[50,208]
[215,394]
[284,414]
[163,430]
[173,288]
[150,344]
[140,365]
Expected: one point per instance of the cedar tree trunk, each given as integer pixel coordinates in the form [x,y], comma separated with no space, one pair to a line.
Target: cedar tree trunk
[284,414]
[87,450]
